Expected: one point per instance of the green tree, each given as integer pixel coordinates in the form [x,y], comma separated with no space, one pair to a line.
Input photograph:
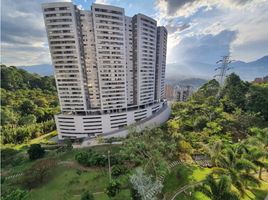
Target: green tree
[184,147]
[11,78]
[209,89]
[233,93]
[35,151]
[135,194]
[82,158]
[27,120]
[16,194]
[258,153]
[217,190]
[28,107]
[238,168]
[113,188]
[21,92]
[87,196]
[148,148]
[258,157]
[257,99]
[8,116]
[41,102]
[93,158]
[38,173]
[215,152]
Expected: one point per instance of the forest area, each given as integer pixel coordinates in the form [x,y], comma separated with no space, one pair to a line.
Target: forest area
[28,103]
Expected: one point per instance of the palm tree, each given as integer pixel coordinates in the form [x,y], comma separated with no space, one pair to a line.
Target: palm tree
[215,152]
[238,168]
[262,136]
[217,190]
[258,156]
[259,143]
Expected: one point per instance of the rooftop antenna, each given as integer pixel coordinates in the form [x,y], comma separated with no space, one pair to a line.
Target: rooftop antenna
[225,61]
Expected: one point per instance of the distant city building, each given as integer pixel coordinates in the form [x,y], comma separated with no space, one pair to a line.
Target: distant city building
[109,68]
[258,80]
[178,92]
[182,93]
[261,80]
[169,92]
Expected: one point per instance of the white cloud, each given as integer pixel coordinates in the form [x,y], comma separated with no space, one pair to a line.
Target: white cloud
[246,17]
[185,8]
[102,1]
[23,55]
[23,35]
[24,39]
[80,7]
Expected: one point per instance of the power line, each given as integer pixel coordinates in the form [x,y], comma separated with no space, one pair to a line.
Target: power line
[225,62]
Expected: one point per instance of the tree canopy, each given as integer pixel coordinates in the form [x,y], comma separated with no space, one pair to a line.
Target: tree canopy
[28,104]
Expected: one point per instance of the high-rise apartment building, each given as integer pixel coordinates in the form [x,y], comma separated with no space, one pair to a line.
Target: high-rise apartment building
[161,51]
[183,92]
[109,68]
[169,92]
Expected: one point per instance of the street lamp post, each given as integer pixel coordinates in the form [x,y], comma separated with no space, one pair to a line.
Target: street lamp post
[109,164]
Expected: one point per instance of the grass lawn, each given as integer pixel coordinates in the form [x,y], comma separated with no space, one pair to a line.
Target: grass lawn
[65,183]
[183,175]
[24,163]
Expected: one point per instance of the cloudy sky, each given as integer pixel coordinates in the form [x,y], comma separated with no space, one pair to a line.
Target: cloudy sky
[200,31]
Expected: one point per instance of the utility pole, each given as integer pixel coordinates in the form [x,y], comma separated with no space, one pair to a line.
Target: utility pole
[225,61]
[109,164]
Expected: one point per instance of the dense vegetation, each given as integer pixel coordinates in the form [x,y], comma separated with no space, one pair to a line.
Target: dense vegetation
[223,128]
[218,141]
[28,103]
[226,128]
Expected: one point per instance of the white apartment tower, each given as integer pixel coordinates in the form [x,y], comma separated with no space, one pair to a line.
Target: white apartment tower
[161,51]
[109,68]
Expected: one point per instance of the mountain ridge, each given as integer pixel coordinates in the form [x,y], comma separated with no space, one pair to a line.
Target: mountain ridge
[190,69]
[246,70]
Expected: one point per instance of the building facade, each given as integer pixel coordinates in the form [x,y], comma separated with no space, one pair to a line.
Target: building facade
[109,68]
[183,92]
[169,92]
[161,51]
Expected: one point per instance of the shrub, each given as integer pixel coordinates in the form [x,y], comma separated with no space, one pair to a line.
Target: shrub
[91,158]
[35,151]
[69,145]
[135,194]
[78,172]
[113,188]
[87,196]
[17,194]
[82,158]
